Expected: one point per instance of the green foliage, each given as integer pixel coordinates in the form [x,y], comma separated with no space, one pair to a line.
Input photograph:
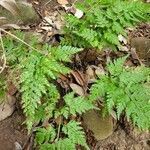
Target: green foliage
[40,97]
[36,71]
[74,135]
[75,106]
[127,90]
[38,66]
[72,130]
[2,88]
[103,21]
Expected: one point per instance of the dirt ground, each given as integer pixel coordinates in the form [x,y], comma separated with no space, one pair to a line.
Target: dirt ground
[13,131]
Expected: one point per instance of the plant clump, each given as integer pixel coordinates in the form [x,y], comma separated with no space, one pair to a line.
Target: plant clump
[103,22]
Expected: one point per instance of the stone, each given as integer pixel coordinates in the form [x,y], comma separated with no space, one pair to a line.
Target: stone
[102,127]
[142,47]
[7,107]
[25,14]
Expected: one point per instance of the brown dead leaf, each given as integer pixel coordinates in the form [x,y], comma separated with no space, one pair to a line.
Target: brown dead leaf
[79,77]
[11,89]
[99,70]
[135,55]
[63,81]
[62,2]
[90,74]
[77,89]
[7,107]
[122,39]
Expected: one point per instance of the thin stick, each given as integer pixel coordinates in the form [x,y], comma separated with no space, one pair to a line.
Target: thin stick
[58,133]
[22,41]
[3,56]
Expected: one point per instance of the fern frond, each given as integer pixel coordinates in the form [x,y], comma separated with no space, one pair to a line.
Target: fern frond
[64,53]
[103,21]
[36,72]
[62,144]
[127,90]
[116,67]
[75,133]
[44,135]
[77,105]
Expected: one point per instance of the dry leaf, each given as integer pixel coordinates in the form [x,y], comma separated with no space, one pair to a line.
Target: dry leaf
[124,48]
[47,28]
[122,39]
[63,81]
[79,77]
[18,146]
[77,89]
[90,74]
[79,13]
[10,26]
[48,20]
[99,70]
[63,2]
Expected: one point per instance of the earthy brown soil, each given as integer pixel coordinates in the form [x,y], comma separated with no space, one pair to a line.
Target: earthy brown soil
[11,131]
[121,140]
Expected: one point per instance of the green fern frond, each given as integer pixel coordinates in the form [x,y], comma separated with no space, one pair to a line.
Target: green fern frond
[64,53]
[127,90]
[77,104]
[116,67]
[36,72]
[44,135]
[103,21]
[62,144]
[75,133]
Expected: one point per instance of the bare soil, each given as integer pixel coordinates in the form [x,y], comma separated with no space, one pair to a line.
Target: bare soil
[12,130]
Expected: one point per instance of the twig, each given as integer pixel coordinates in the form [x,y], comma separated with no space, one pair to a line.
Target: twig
[58,133]
[47,2]
[3,56]
[74,2]
[12,35]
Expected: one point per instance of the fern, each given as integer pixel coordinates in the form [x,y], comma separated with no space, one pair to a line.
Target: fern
[36,71]
[127,90]
[40,96]
[103,21]
[74,134]
[47,138]
[73,131]
[76,105]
